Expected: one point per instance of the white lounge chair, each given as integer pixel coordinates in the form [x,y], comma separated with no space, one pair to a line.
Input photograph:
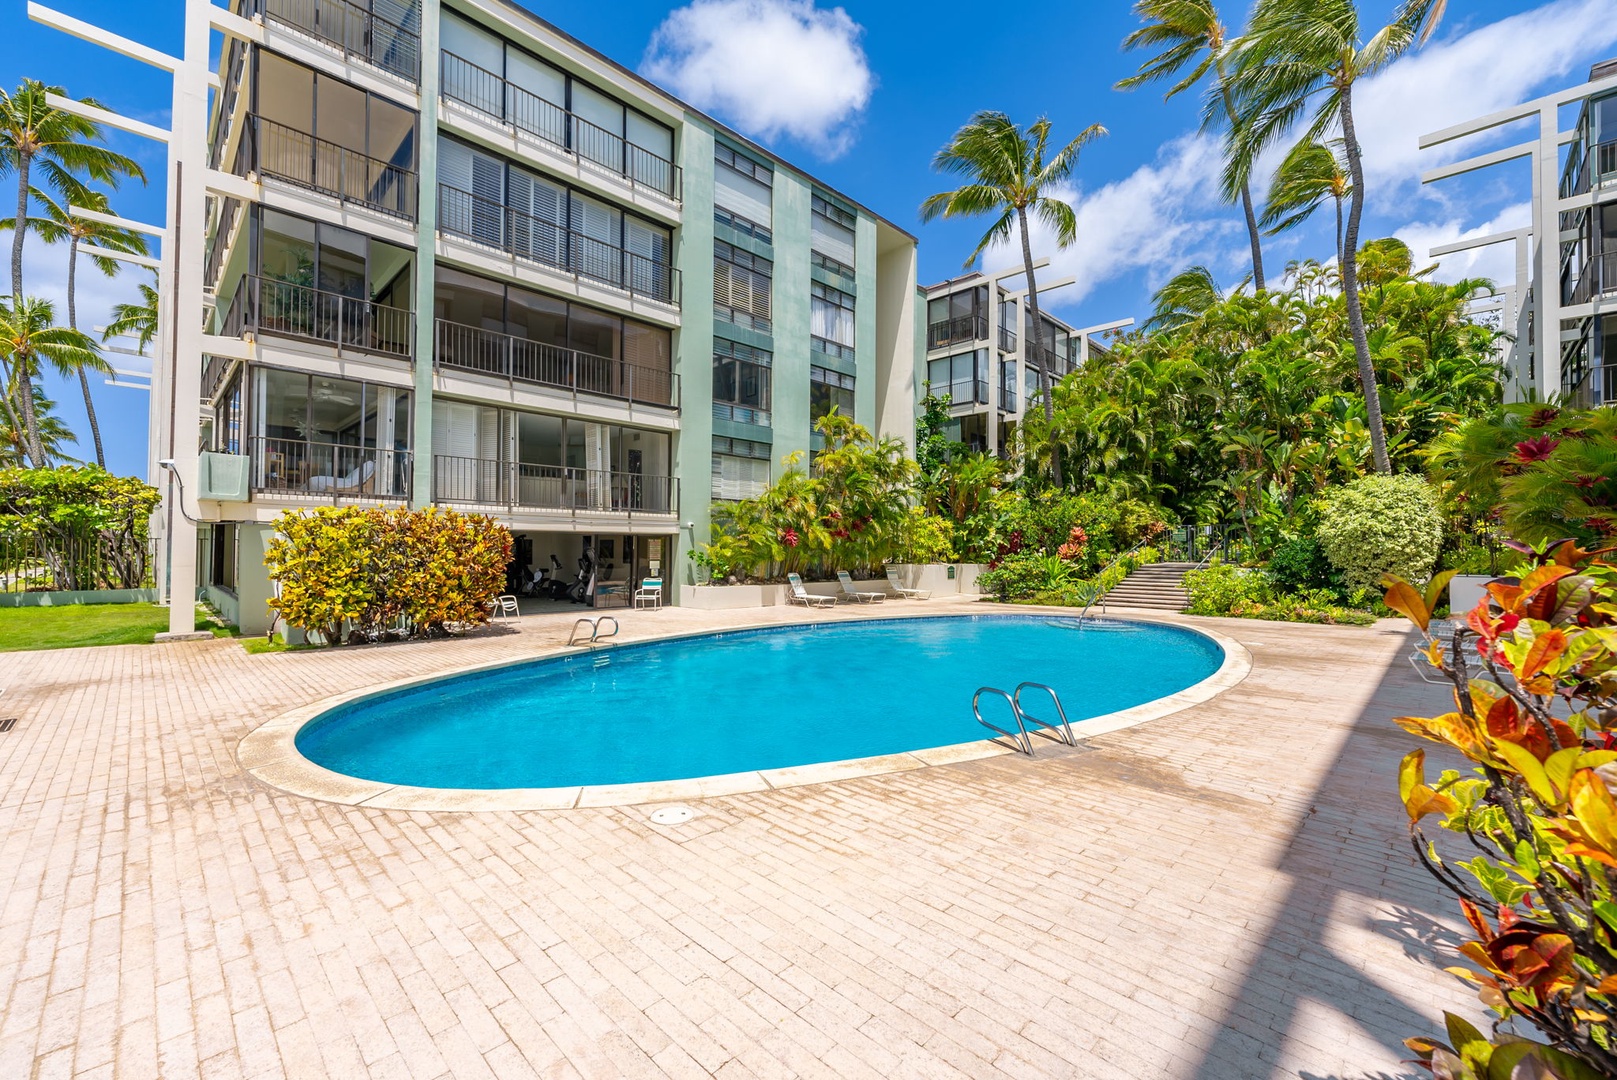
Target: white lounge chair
[356,482]
[796,594]
[504,606]
[900,591]
[650,593]
[854,595]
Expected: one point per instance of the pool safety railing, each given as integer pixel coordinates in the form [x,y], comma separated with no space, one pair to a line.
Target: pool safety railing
[1061,731]
[1099,595]
[594,626]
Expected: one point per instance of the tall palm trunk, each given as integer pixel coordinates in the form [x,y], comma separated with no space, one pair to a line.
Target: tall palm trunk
[73,324]
[1338,200]
[1037,339]
[1350,288]
[25,382]
[1246,188]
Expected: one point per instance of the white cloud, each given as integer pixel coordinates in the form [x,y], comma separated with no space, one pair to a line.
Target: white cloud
[1498,261]
[770,67]
[1475,73]
[1160,219]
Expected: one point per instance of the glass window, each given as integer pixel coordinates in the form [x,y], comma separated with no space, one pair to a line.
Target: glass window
[286,250]
[741,287]
[536,317]
[741,382]
[285,92]
[829,390]
[392,134]
[594,332]
[831,314]
[472,43]
[468,300]
[648,346]
[341,261]
[340,113]
[833,231]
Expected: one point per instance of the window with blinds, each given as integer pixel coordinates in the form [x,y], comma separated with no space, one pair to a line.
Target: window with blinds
[743,193]
[741,382]
[829,390]
[740,469]
[472,200]
[831,316]
[741,284]
[833,235]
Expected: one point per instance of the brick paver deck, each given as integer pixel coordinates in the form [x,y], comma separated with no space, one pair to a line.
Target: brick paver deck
[1222,893]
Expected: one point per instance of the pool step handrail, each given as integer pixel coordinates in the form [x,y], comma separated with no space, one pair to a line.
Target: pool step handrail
[594,628]
[1063,729]
[1023,744]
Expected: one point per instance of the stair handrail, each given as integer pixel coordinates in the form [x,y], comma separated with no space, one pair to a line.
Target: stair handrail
[1100,591]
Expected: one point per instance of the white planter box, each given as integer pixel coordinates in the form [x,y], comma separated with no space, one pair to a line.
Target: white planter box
[933,576]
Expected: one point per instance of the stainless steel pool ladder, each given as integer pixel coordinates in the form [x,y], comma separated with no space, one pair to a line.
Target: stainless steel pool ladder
[594,628]
[1062,730]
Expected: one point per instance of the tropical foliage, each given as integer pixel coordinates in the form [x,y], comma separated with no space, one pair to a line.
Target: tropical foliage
[1534,672]
[75,528]
[346,573]
[1380,525]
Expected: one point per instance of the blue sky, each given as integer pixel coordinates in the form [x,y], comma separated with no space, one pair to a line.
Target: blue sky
[861,96]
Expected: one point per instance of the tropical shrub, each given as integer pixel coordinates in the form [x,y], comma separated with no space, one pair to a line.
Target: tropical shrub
[1534,671]
[927,538]
[364,571]
[1300,563]
[1222,589]
[1380,525]
[1021,574]
[86,526]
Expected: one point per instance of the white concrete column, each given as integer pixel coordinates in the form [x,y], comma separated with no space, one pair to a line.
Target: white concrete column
[425,258]
[1547,229]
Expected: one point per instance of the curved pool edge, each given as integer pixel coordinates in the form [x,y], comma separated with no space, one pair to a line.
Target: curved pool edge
[270,755]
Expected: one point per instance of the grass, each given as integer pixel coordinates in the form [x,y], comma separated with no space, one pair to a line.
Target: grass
[73,626]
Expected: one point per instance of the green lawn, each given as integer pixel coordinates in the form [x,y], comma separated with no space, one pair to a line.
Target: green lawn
[74,625]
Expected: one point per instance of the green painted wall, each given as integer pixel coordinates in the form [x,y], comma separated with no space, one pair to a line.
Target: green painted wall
[426,257]
[789,308]
[693,351]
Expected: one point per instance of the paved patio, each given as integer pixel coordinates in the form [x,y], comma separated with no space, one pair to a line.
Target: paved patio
[1226,892]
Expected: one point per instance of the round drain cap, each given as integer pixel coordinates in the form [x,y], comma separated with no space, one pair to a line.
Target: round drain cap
[672,815]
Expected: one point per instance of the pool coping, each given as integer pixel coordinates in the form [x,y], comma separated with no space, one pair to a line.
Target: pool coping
[270,755]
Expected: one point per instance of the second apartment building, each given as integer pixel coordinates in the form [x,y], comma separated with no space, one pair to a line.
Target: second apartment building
[485,267]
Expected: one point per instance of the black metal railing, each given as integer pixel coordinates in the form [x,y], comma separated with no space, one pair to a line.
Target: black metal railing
[52,562]
[518,485]
[358,32]
[1598,278]
[264,305]
[959,328]
[522,109]
[297,467]
[506,356]
[964,391]
[1007,339]
[1007,398]
[315,163]
[230,209]
[1588,165]
[472,217]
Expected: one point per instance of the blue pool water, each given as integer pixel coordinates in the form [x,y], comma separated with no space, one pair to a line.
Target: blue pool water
[744,700]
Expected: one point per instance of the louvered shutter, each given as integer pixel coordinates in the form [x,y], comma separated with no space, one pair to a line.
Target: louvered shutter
[833,239]
[742,195]
[648,247]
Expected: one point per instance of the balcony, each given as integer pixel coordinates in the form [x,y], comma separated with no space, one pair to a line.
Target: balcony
[281,308]
[519,486]
[964,391]
[300,158]
[522,110]
[961,328]
[360,34]
[297,468]
[515,359]
[1007,339]
[532,239]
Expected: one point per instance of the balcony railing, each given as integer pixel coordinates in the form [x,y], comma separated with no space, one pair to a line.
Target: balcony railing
[958,329]
[516,485]
[296,467]
[523,110]
[485,221]
[307,161]
[1599,277]
[1007,339]
[516,359]
[359,33]
[266,306]
[965,391]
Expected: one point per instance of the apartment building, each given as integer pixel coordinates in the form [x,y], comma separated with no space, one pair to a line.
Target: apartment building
[485,267]
[1560,311]
[982,351]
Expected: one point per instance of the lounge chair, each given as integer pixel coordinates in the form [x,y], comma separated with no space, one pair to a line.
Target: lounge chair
[796,594]
[853,595]
[650,593]
[356,482]
[900,591]
[504,605]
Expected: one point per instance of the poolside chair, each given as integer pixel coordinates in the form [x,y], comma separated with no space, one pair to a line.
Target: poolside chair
[650,593]
[900,591]
[796,594]
[504,605]
[853,595]
[357,481]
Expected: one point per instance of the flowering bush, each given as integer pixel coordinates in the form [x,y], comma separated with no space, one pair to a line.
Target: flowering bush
[1534,670]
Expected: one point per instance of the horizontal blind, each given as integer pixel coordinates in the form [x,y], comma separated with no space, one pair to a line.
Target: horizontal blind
[833,239]
[742,195]
[738,477]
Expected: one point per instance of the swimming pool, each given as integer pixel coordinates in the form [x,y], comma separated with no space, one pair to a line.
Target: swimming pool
[745,700]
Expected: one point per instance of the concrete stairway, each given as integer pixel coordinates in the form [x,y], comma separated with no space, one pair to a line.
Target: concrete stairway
[1160,585]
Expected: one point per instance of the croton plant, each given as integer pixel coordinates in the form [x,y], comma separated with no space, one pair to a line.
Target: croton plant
[1534,668]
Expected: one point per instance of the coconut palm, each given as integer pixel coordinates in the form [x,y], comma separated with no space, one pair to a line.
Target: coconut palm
[1308,175]
[64,147]
[59,223]
[1008,172]
[1191,35]
[54,435]
[29,335]
[1184,296]
[137,319]
[1299,62]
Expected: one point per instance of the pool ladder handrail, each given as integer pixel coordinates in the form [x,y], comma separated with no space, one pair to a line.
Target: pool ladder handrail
[595,630]
[1022,736]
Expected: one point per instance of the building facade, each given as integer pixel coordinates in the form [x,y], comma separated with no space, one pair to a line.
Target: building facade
[477,264]
[982,352]
[1560,312]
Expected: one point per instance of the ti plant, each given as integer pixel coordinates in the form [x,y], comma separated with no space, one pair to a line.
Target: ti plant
[1534,668]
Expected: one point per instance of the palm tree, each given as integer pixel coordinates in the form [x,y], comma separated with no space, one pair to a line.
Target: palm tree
[54,435]
[60,224]
[1192,35]
[137,319]
[1187,294]
[1008,172]
[64,147]
[1311,173]
[29,334]
[1300,60]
